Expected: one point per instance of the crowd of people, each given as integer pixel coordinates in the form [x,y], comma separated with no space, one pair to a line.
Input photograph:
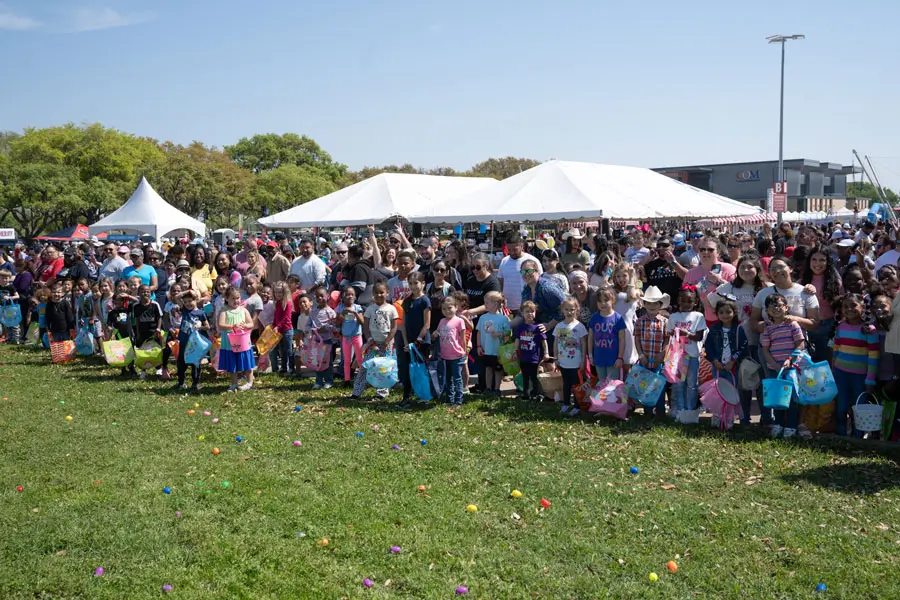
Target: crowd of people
[587,306]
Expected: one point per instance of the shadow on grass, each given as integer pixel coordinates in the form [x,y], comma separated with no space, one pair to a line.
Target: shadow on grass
[856,478]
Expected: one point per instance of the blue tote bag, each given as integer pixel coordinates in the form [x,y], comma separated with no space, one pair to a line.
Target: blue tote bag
[419,375]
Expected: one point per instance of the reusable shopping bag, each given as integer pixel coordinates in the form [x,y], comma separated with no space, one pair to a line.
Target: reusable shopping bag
[62,352]
[268,340]
[316,354]
[418,374]
[815,383]
[644,386]
[381,372]
[84,342]
[509,358]
[148,356]
[675,362]
[196,349]
[118,352]
[608,397]
[11,314]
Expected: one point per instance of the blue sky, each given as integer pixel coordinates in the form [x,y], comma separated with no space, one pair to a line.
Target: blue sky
[651,83]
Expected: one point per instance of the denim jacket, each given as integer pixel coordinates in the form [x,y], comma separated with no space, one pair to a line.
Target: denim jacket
[737,339]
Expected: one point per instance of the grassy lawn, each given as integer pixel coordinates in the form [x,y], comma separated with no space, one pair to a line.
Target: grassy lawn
[743,516]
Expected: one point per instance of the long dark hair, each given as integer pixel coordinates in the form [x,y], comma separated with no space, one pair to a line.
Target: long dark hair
[462,254]
[760,281]
[569,244]
[799,261]
[832,287]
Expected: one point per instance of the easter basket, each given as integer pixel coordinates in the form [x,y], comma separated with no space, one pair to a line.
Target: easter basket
[777,392]
[867,417]
[551,383]
[381,372]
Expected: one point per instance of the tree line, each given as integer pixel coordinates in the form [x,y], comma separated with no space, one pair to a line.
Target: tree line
[54,177]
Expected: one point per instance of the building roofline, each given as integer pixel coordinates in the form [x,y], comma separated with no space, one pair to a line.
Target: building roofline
[789,161]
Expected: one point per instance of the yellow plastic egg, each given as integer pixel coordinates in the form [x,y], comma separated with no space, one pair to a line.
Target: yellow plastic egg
[516,494]
[472,508]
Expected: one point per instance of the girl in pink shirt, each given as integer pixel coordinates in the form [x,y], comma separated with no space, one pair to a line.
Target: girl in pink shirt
[452,333]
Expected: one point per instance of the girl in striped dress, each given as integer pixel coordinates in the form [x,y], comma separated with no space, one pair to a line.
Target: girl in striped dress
[854,359]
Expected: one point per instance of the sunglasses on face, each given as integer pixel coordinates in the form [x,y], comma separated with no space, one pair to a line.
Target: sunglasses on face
[440,270]
[707,250]
[696,236]
[528,271]
[340,252]
[663,246]
[734,245]
[477,267]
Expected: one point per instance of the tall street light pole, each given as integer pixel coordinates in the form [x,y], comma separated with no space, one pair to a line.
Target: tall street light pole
[782,39]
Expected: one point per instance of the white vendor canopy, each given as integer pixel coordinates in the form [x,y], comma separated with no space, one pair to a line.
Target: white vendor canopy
[563,191]
[148,213]
[377,199]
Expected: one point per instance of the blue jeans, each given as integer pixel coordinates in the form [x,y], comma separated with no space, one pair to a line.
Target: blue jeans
[818,340]
[283,353]
[786,417]
[609,372]
[850,386]
[453,379]
[326,376]
[684,393]
[766,417]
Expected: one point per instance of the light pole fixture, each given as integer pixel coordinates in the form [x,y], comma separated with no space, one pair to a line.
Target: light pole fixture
[782,39]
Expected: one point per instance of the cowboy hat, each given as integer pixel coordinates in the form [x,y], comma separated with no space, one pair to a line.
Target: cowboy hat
[573,233]
[652,294]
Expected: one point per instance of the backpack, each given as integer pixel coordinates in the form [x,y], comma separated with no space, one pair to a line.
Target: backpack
[749,375]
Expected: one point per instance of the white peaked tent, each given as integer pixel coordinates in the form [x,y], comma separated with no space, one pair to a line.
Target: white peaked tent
[148,213]
[377,199]
[562,190]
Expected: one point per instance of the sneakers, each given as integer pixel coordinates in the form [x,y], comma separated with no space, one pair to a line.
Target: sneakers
[179,386]
[232,388]
[776,430]
[165,375]
[804,432]
[195,387]
[327,386]
[565,409]
[574,412]
[317,387]
[789,432]
[383,393]
[245,386]
[142,374]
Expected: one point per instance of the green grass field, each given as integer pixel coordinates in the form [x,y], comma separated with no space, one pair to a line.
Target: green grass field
[743,516]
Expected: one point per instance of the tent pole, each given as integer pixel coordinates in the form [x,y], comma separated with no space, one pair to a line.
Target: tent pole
[491,248]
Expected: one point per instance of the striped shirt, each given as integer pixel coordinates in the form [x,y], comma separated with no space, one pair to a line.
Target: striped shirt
[781,340]
[652,335]
[856,352]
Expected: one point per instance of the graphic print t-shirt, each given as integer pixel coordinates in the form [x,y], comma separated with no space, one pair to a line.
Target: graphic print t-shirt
[146,317]
[568,344]
[381,319]
[531,341]
[606,338]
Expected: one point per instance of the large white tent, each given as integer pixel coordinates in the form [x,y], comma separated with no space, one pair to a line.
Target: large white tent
[148,213]
[561,190]
[377,199]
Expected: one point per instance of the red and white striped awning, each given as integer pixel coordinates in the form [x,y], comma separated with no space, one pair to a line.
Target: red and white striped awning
[750,220]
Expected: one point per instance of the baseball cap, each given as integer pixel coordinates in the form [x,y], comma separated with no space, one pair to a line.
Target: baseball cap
[678,239]
[426,242]
[183,264]
[123,250]
[272,244]
[136,252]
[846,243]
[837,235]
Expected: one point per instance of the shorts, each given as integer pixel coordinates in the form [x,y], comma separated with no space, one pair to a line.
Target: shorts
[490,362]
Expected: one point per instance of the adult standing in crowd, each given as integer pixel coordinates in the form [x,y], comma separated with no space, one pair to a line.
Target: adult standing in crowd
[114,262]
[690,258]
[340,261]
[224,268]
[585,294]
[201,273]
[456,255]
[575,254]
[510,269]
[162,278]
[74,267]
[545,293]
[243,262]
[278,266]
[663,271]
[146,273]
[358,274]
[51,264]
[309,268]
[709,274]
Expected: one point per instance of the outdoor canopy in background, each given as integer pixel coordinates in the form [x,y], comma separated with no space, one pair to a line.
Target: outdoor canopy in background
[562,191]
[148,213]
[377,199]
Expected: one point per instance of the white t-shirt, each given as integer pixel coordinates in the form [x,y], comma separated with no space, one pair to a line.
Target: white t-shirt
[267,314]
[310,270]
[635,256]
[381,319]
[512,278]
[797,301]
[888,258]
[568,344]
[692,322]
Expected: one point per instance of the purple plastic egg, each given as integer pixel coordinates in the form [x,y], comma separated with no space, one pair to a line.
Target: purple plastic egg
[368,582]
[462,590]
[395,549]
[166,588]
[98,571]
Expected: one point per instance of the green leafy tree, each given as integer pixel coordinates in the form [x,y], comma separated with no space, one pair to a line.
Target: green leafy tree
[501,168]
[37,196]
[203,182]
[867,190]
[288,186]
[366,172]
[269,151]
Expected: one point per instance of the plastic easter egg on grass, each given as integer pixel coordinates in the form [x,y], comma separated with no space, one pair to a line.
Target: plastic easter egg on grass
[238,439]
[672,566]
[206,413]
[297,443]
[462,590]
[359,434]
[167,490]
[98,572]
[635,470]
[472,508]
[545,503]
[821,588]
[196,405]
[395,549]
[395,447]
[20,489]
[423,442]
[323,542]
[191,411]
[653,577]
[166,588]
[421,488]
[68,417]
[216,420]
[367,582]
[215,451]
[516,494]
[298,408]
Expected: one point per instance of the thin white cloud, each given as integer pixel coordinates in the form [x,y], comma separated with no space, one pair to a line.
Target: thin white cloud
[97,19]
[10,20]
